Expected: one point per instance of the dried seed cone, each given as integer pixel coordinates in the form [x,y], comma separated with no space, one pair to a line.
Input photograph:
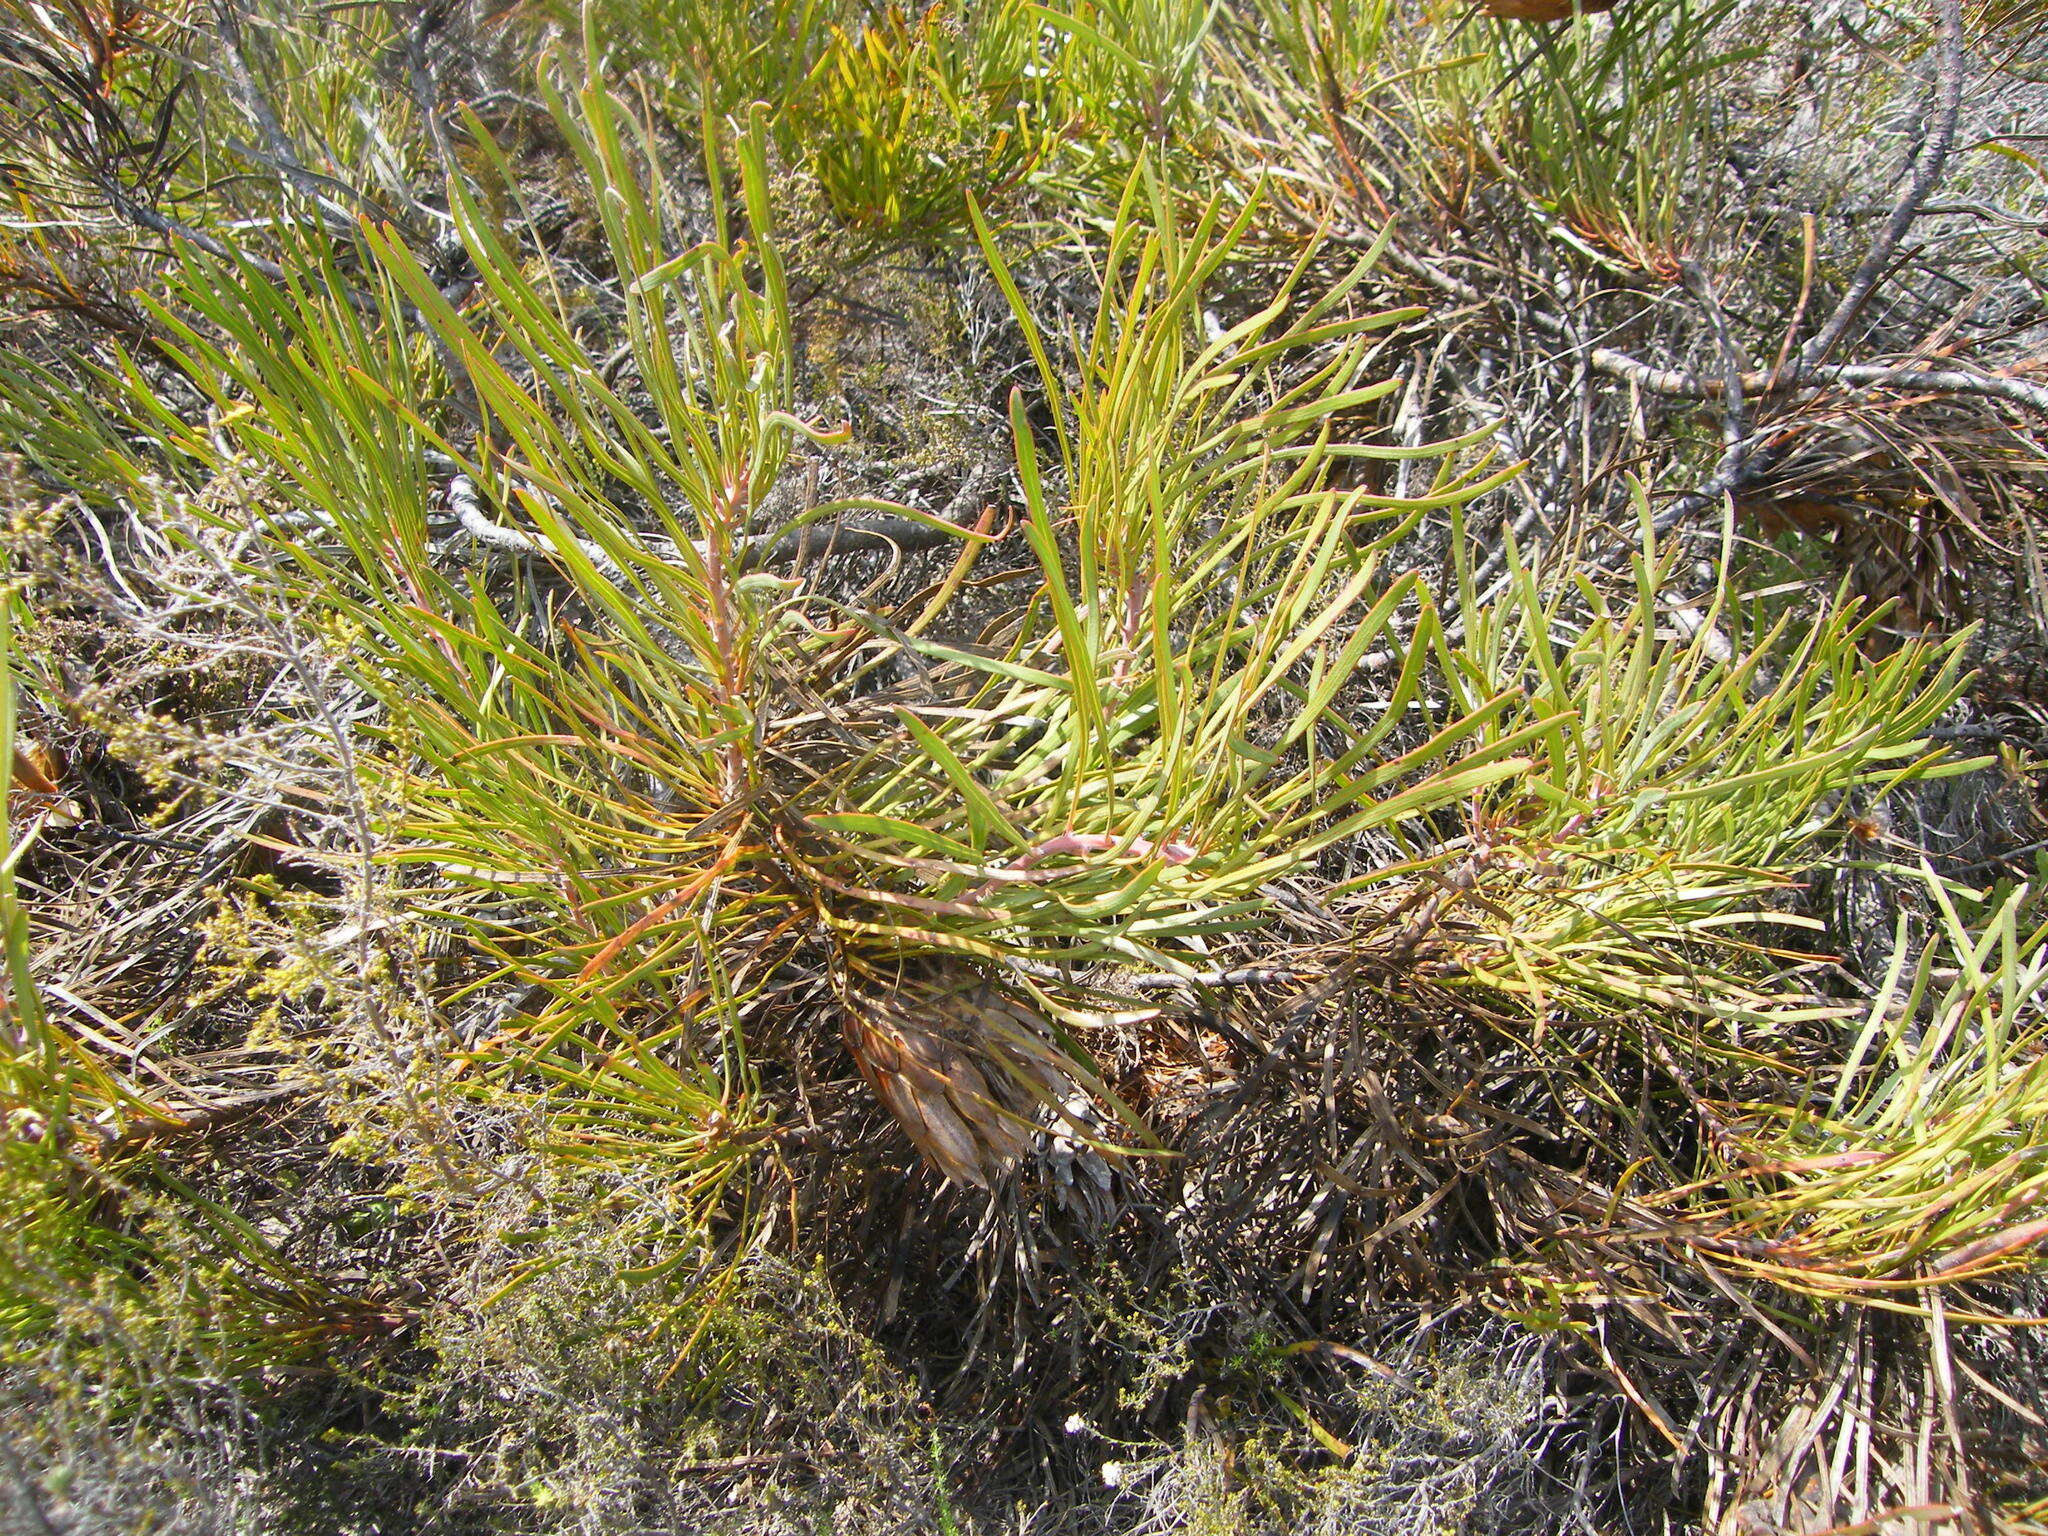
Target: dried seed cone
[962,1065]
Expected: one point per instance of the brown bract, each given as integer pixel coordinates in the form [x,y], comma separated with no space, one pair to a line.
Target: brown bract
[962,1065]
[33,787]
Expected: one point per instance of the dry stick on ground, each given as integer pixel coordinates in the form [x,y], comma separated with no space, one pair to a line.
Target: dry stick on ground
[145,217]
[1809,367]
[476,522]
[1928,169]
[277,152]
[423,82]
[1737,454]
[1679,383]
[1741,463]
[873,534]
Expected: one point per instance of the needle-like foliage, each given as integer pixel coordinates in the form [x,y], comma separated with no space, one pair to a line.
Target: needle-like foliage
[678,769]
[1923,1155]
[528,822]
[1686,759]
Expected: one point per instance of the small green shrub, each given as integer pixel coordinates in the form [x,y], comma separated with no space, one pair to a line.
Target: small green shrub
[1683,776]
[1923,1151]
[710,59]
[902,119]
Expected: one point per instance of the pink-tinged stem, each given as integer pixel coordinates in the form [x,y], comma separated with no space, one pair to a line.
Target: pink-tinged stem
[1080,845]
[724,637]
[1996,1246]
[1101,842]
